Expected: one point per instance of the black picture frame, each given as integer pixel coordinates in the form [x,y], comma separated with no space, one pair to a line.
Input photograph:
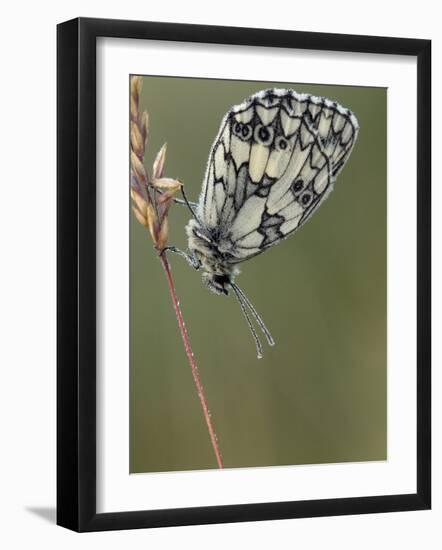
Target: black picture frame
[76,274]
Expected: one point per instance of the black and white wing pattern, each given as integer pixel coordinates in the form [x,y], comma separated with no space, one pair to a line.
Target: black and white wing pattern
[273,162]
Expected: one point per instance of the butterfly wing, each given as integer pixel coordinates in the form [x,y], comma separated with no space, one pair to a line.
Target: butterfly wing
[273,162]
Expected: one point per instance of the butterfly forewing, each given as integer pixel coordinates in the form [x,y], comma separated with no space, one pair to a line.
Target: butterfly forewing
[272,164]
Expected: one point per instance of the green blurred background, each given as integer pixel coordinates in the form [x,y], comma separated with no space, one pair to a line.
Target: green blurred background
[318,396]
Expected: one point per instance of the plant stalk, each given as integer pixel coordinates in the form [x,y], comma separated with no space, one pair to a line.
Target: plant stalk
[191,358]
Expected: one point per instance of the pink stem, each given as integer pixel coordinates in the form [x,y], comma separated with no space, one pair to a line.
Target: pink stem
[191,358]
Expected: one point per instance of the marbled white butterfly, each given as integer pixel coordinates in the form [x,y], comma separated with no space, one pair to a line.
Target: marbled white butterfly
[273,163]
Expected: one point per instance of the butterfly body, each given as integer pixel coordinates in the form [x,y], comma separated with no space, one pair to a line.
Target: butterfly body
[208,247]
[273,163]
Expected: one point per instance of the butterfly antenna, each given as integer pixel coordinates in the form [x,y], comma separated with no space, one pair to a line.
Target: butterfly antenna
[255,314]
[249,322]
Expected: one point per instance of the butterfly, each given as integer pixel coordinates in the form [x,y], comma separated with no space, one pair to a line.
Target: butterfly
[273,163]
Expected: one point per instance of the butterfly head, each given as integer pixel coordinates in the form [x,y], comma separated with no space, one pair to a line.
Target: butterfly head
[219,284]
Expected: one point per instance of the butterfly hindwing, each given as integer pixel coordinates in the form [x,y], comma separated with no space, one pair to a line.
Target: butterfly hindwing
[272,164]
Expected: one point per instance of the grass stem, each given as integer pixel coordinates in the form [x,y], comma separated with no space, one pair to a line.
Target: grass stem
[192,362]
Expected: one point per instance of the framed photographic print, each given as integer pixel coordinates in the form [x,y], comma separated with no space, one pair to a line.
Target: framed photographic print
[231,345]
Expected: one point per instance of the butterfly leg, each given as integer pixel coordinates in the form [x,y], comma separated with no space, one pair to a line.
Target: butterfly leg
[184,203]
[192,260]
[181,202]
